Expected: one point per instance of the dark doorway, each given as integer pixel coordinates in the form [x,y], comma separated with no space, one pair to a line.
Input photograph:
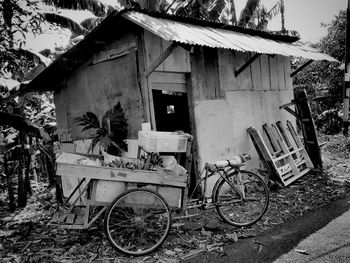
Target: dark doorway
[172,114]
[171,111]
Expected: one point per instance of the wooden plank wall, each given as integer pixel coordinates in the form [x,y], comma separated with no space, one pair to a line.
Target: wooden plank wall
[265,73]
[178,61]
[61,108]
[206,79]
[98,88]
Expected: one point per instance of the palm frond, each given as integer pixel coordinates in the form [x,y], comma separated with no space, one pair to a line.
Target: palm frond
[22,124]
[97,7]
[91,22]
[65,22]
[215,9]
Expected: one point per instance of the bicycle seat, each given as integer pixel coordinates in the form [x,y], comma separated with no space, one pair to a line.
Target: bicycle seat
[236,161]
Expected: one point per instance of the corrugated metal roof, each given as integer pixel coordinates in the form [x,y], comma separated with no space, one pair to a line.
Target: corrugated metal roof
[220,38]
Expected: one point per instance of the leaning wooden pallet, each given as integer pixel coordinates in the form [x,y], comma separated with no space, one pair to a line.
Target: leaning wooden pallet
[288,160]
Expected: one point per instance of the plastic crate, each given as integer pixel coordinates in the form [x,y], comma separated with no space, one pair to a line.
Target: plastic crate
[153,141]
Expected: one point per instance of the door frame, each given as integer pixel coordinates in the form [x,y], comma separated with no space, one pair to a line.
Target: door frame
[159,80]
[186,88]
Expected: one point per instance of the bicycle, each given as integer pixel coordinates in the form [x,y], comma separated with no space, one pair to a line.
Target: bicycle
[139,220]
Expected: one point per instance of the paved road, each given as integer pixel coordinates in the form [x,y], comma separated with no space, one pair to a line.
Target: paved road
[323,234]
[329,244]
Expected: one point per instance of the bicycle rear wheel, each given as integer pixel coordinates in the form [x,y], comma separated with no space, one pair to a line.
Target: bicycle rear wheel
[241,206]
[137,222]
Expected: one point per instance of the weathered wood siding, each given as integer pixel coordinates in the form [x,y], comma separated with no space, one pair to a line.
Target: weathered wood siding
[111,75]
[265,73]
[225,108]
[170,74]
[61,107]
[178,61]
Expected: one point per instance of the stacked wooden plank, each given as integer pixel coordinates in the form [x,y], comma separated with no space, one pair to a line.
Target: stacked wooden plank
[281,151]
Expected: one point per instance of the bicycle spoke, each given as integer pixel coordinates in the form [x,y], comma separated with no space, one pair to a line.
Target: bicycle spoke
[249,206]
[112,225]
[137,222]
[122,231]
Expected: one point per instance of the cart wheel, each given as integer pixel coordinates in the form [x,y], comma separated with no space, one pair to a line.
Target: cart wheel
[237,208]
[137,222]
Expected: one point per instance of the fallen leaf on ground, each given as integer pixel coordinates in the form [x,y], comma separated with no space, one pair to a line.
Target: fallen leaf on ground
[301,251]
[170,253]
[233,237]
[192,253]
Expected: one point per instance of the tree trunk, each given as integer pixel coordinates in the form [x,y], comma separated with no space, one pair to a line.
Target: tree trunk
[21,155]
[21,192]
[195,6]
[50,166]
[8,174]
[8,15]
[27,186]
[150,5]
[248,12]
[233,13]
[282,16]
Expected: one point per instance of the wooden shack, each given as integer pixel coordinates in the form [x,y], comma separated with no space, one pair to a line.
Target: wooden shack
[208,79]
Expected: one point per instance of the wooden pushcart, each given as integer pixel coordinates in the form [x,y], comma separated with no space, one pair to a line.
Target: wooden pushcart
[128,198]
[138,204]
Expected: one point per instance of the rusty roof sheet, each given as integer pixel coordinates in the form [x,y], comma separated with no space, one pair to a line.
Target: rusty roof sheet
[190,34]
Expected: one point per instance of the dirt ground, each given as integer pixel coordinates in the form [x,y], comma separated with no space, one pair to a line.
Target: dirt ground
[25,236]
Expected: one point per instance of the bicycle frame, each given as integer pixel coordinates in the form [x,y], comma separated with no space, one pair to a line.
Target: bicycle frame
[202,202]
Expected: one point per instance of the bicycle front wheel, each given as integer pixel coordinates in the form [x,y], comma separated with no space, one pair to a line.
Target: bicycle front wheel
[137,222]
[244,200]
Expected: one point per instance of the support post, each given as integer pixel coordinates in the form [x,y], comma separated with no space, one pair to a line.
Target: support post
[308,128]
[346,90]
[142,80]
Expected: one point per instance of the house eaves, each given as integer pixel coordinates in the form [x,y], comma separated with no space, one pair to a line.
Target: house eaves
[191,34]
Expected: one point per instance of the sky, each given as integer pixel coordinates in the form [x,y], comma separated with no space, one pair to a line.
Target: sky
[304,16]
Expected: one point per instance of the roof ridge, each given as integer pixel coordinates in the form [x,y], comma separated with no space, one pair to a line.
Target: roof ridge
[217,25]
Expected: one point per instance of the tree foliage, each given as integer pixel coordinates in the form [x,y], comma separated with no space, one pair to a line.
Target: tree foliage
[324,80]
[18,17]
